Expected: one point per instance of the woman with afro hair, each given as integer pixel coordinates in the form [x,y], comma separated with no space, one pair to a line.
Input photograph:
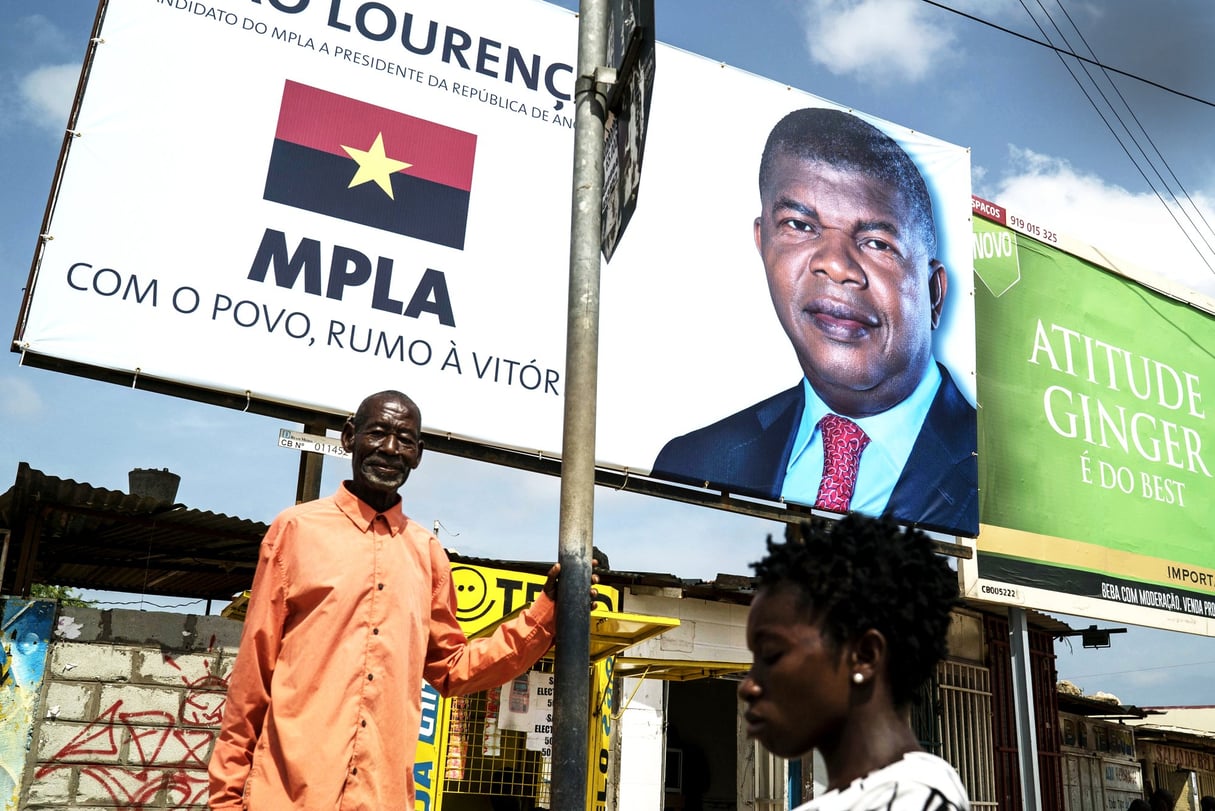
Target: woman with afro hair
[846,624]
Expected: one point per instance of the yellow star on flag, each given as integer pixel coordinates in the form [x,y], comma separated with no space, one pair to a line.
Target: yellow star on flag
[375,165]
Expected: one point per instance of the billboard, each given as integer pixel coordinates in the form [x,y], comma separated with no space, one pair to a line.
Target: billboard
[1096,452]
[355,198]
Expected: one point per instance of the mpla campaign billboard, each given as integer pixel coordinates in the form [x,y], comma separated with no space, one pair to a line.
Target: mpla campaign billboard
[1096,448]
[307,202]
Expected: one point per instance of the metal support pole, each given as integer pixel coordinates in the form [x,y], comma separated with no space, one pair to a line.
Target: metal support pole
[308,485]
[1023,702]
[571,706]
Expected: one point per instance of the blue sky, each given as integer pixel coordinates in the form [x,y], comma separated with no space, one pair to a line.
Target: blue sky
[1037,145]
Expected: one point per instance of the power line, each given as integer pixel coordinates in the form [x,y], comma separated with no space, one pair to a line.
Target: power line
[1136,670]
[1084,61]
[1066,52]
[145,601]
[1142,128]
[1092,102]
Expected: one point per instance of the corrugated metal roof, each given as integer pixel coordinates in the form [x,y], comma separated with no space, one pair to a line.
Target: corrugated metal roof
[1098,708]
[68,533]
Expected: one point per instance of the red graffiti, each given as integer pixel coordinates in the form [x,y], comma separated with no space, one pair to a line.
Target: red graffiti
[164,754]
[204,704]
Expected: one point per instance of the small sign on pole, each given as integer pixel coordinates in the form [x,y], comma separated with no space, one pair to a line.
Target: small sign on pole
[311,443]
[631,53]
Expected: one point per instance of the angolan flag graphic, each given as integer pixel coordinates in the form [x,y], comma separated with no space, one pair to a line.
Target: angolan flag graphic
[358,162]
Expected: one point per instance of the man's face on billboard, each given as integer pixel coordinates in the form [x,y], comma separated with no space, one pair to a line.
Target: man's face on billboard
[852,283]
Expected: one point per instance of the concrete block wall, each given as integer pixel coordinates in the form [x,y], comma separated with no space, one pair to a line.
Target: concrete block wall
[130,709]
[707,631]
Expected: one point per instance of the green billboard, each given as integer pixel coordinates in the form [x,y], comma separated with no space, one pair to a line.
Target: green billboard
[1096,452]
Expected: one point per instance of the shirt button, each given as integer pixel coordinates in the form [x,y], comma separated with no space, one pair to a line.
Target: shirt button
[375,631]
[363,723]
[355,770]
[380,586]
[370,677]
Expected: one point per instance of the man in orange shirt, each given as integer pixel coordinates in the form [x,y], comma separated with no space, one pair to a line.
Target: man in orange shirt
[352,607]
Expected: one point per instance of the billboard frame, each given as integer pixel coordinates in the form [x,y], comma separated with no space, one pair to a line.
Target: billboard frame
[249,401]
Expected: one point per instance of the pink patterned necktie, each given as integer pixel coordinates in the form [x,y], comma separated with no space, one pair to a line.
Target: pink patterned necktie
[843,442]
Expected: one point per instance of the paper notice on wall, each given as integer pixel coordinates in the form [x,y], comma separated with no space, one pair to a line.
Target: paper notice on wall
[527,706]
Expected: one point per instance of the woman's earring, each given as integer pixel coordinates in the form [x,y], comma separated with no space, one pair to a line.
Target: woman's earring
[858,678]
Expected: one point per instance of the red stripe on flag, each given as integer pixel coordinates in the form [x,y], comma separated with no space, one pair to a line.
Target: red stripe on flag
[326,121]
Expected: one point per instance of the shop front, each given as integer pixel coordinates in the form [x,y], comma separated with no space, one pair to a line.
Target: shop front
[1100,768]
[492,750]
[1184,765]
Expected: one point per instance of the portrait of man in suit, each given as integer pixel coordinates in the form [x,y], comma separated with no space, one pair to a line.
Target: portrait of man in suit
[848,240]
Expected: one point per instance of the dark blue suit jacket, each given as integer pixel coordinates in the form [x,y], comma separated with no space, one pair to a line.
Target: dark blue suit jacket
[747,453]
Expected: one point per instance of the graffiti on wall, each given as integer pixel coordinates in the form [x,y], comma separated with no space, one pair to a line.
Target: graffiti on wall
[164,752]
[26,627]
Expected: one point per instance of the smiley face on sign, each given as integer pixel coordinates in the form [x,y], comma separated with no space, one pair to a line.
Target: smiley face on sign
[472,594]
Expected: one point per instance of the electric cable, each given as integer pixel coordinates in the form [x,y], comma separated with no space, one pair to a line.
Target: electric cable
[1139,123]
[1059,52]
[1068,51]
[1019,35]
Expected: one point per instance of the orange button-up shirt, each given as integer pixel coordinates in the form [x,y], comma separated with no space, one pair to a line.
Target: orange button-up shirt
[350,610]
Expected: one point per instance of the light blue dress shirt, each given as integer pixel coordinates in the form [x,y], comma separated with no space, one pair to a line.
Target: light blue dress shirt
[892,434]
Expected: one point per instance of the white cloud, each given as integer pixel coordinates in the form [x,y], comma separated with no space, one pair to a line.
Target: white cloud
[47,93]
[887,42]
[36,34]
[18,398]
[1135,228]
[879,41]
